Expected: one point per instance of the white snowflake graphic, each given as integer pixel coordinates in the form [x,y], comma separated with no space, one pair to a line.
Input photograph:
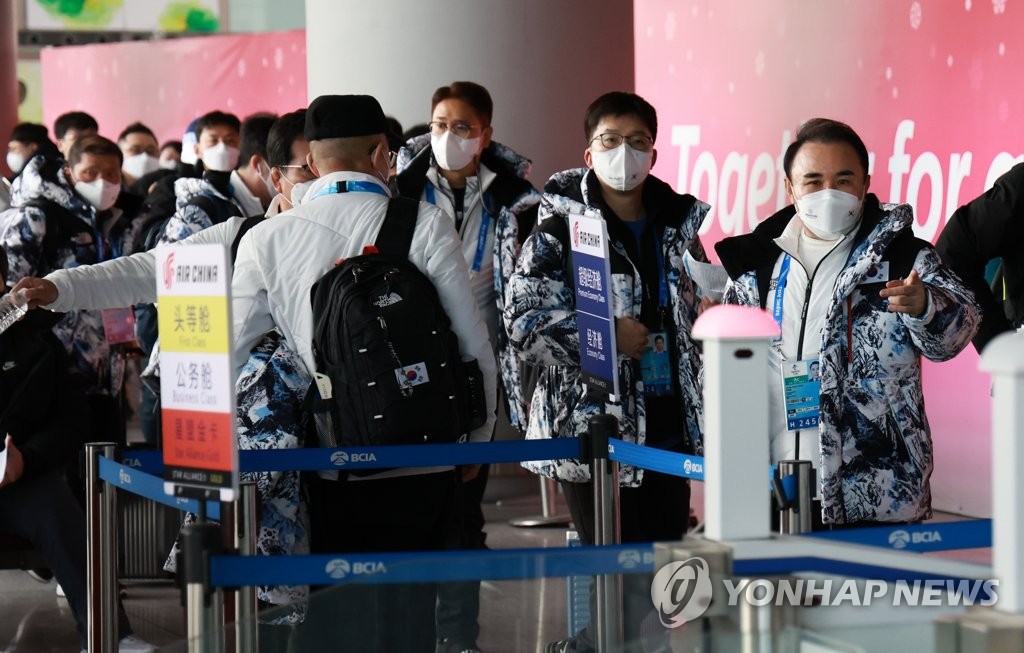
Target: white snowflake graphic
[670,26]
[998,6]
[915,15]
[967,5]
[759,63]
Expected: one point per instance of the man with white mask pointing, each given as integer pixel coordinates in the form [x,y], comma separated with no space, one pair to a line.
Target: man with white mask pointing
[859,301]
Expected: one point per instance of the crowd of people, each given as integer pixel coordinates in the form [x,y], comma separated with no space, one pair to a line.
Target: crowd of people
[858,299]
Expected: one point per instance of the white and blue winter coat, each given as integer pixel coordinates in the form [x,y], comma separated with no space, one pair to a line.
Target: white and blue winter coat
[876,448]
[42,238]
[540,315]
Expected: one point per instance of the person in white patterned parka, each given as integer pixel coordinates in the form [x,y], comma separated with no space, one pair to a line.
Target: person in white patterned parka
[650,228]
[853,289]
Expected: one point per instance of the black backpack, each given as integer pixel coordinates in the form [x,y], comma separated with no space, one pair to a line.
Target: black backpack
[388,364]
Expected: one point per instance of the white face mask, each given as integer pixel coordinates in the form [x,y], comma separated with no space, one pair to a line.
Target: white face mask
[299,191]
[268,182]
[220,157]
[100,193]
[168,164]
[453,152]
[622,168]
[140,164]
[830,214]
[15,161]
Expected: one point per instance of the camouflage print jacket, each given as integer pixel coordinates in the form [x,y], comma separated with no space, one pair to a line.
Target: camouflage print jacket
[56,229]
[540,315]
[876,448]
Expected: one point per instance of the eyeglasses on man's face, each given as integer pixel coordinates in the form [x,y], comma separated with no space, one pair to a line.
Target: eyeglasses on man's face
[459,128]
[304,169]
[611,140]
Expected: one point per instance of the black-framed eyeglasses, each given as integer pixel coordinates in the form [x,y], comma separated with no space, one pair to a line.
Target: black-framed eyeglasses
[611,140]
[459,128]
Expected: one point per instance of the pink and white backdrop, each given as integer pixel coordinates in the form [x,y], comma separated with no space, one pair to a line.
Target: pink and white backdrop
[168,83]
[933,87]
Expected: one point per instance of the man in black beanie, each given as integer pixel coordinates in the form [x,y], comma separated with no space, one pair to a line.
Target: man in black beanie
[278,262]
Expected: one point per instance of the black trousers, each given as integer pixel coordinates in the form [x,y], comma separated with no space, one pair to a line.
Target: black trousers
[407,513]
[42,510]
[458,604]
[657,511]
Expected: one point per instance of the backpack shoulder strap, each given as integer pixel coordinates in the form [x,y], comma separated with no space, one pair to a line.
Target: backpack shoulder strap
[60,226]
[218,210]
[246,225]
[395,236]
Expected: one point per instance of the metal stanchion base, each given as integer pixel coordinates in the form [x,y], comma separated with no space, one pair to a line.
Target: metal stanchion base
[548,518]
[541,521]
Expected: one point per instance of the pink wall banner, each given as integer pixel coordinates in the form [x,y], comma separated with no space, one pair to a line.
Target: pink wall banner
[933,88]
[166,84]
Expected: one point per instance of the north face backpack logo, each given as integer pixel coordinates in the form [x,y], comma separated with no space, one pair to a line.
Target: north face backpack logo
[387,300]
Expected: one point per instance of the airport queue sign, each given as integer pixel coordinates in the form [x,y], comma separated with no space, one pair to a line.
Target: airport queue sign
[197,389]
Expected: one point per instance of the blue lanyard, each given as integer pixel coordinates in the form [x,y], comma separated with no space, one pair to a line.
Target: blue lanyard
[780,290]
[350,187]
[485,225]
[662,281]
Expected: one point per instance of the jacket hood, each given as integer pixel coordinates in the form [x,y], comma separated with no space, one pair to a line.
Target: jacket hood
[580,191]
[43,178]
[880,222]
[499,158]
[186,188]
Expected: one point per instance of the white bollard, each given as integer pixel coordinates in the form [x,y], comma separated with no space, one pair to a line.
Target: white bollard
[1004,359]
[737,502]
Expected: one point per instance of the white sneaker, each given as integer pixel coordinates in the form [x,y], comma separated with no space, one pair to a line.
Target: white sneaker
[132,644]
[60,592]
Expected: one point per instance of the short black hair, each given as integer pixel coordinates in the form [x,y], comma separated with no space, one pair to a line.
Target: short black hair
[78,120]
[471,93]
[135,128]
[619,103]
[253,137]
[30,132]
[286,130]
[175,145]
[824,130]
[215,118]
[96,146]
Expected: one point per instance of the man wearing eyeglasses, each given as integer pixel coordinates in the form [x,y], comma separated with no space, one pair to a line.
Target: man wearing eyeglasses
[650,227]
[481,186]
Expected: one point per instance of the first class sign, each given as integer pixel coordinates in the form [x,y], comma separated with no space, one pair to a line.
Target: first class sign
[197,390]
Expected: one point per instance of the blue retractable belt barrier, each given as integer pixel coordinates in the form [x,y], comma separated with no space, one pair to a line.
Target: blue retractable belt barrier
[424,567]
[151,487]
[933,536]
[659,460]
[408,455]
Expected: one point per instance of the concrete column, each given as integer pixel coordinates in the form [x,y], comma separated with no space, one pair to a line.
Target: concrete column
[8,75]
[543,62]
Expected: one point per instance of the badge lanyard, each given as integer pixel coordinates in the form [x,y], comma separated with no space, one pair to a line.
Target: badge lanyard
[350,187]
[485,223]
[780,291]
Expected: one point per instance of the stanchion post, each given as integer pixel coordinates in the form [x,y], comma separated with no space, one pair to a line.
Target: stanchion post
[1004,359]
[246,629]
[203,607]
[100,551]
[796,517]
[605,475]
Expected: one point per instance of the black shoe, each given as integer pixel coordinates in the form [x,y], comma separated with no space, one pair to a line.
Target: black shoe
[455,646]
[566,646]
